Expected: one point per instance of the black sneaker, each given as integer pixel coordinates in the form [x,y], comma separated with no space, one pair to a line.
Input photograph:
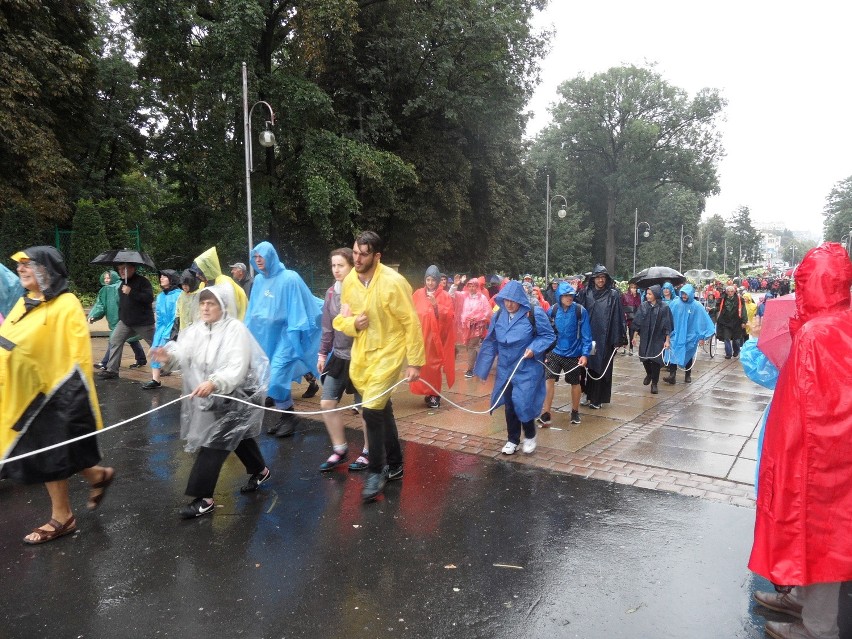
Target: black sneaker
[197,508]
[468,374]
[313,389]
[374,485]
[105,374]
[395,472]
[647,380]
[151,385]
[138,365]
[255,481]
[432,401]
[575,417]
[544,420]
[100,367]
[595,406]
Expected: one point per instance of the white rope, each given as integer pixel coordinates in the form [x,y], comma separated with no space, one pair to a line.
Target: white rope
[603,374]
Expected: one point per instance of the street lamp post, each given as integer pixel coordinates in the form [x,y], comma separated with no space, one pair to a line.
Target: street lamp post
[645,233]
[683,238]
[561,213]
[725,256]
[266,139]
[715,246]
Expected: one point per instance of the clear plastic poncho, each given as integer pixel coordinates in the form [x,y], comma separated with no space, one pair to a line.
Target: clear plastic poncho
[225,353]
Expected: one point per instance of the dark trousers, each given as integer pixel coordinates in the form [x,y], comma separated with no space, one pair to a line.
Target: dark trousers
[513,424]
[599,391]
[138,353]
[652,369]
[673,368]
[382,438]
[208,465]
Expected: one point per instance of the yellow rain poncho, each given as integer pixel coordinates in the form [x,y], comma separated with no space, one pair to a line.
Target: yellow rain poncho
[394,335]
[47,392]
[208,264]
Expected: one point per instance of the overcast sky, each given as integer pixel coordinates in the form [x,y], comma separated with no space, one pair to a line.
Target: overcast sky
[784,70]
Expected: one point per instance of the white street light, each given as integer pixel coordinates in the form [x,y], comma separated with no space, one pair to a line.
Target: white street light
[266,139]
[689,245]
[561,214]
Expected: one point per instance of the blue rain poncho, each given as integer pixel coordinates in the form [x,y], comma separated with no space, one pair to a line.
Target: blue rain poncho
[165,309]
[285,318]
[507,340]
[10,290]
[691,325]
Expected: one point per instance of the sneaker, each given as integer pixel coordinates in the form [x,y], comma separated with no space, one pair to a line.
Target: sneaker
[150,385]
[778,602]
[139,365]
[333,462]
[432,401]
[529,445]
[468,374]
[255,481]
[584,401]
[509,448]
[395,472]
[575,417]
[544,420]
[374,485]
[595,406]
[313,389]
[105,374]
[647,380]
[362,463]
[654,390]
[100,367]
[630,352]
[197,507]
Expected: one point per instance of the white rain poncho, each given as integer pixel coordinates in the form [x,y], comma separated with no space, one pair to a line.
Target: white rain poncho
[226,354]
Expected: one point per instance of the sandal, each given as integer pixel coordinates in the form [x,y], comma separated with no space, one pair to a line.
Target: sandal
[98,491]
[59,530]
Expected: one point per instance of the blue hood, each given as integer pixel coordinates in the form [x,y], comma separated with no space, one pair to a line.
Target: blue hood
[270,256]
[514,292]
[689,289]
[671,288]
[564,288]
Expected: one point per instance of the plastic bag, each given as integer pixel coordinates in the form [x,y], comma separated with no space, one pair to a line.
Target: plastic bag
[757,366]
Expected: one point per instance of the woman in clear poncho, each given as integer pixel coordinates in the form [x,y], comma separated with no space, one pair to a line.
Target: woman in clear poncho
[218,355]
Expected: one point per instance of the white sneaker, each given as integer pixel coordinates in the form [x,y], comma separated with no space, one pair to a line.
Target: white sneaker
[529,445]
[509,448]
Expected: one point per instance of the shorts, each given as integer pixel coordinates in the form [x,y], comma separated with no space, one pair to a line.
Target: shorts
[559,364]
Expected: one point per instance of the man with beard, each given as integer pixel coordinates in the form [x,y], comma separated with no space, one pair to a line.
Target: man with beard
[602,300]
[377,310]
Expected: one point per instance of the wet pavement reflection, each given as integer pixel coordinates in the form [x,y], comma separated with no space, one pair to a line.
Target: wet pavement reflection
[464,546]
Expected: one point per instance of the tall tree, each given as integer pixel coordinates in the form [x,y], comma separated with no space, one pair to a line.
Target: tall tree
[45,77]
[838,211]
[626,133]
[743,238]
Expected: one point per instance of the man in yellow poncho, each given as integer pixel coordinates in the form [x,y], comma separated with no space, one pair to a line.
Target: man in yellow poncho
[377,310]
[47,394]
[206,267]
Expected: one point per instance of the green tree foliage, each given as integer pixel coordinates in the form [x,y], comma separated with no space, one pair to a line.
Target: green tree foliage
[743,238]
[20,228]
[89,239]
[45,73]
[838,211]
[625,134]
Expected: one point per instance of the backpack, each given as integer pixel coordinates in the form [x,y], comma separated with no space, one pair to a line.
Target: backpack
[578,310]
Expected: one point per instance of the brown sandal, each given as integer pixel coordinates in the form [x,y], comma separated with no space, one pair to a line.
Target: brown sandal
[98,491]
[59,530]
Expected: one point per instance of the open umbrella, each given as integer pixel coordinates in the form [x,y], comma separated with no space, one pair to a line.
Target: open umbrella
[775,339]
[124,256]
[657,275]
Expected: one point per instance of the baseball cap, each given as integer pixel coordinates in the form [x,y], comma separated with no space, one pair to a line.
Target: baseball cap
[238,265]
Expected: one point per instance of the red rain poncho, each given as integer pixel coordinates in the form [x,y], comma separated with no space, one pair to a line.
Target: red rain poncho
[438,324]
[803,526]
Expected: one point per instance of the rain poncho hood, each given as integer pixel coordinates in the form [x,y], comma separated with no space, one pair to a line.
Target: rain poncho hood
[565,288]
[433,271]
[208,264]
[804,504]
[392,338]
[286,320]
[599,269]
[226,354]
[507,340]
[690,325]
[668,286]
[47,392]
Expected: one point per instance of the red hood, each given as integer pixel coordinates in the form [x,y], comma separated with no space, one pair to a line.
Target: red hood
[822,283]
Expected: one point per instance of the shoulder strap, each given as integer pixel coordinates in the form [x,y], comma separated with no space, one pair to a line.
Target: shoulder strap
[578,311]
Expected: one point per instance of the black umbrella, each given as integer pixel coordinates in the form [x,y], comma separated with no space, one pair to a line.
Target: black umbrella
[657,275]
[124,256]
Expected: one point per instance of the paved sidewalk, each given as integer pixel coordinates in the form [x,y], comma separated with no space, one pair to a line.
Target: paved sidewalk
[695,439]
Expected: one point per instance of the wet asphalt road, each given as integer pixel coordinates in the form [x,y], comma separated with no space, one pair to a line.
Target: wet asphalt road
[462,547]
